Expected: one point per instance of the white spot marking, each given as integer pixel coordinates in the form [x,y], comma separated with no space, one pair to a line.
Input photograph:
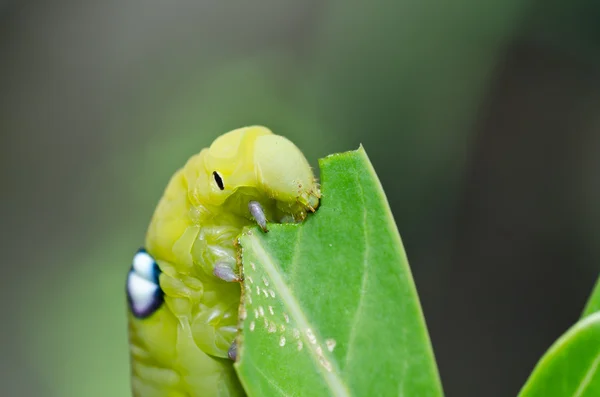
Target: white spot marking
[311,337]
[330,344]
[249,278]
[271,310]
[282,341]
[286,317]
[322,360]
[272,293]
[253,266]
[282,328]
[272,327]
[261,311]
[264,280]
[266,293]
[296,333]
[300,345]
[143,265]
[141,291]
[326,364]
[257,290]
[256,313]
[252,325]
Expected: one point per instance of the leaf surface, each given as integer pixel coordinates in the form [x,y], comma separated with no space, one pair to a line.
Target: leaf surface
[571,367]
[330,305]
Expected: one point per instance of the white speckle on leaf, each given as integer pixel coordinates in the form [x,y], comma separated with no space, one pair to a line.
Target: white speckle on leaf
[271,310]
[330,344]
[261,311]
[272,327]
[311,337]
[256,313]
[272,293]
[266,322]
[282,341]
[252,325]
[243,313]
[322,360]
[249,278]
[286,317]
[326,364]
[265,281]
[266,293]
[299,345]
[252,265]
[282,328]
[249,299]
[296,333]
[257,290]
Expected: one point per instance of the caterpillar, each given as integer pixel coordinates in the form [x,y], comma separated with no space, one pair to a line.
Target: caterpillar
[183,288]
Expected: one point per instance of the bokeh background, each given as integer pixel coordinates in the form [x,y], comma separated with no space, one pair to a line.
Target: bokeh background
[481,119]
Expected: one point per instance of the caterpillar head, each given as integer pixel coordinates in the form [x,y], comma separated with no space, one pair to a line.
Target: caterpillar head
[253,164]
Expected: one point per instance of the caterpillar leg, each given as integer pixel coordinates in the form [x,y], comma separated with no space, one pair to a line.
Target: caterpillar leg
[259,214]
[232,352]
[225,272]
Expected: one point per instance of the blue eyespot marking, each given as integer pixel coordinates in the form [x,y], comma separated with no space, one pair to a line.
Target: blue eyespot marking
[143,289]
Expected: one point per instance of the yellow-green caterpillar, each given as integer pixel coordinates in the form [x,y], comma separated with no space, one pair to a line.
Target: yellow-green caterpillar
[183,307]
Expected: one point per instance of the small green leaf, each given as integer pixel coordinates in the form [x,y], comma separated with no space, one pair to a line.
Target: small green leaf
[593,304]
[571,367]
[330,305]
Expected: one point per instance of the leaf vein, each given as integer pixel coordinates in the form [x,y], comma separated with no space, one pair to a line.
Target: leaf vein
[269,381]
[588,377]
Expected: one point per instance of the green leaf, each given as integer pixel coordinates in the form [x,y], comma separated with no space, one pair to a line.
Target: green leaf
[330,305]
[593,304]
[571,367]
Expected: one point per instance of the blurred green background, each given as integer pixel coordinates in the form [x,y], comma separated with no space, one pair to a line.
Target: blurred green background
[481,119]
